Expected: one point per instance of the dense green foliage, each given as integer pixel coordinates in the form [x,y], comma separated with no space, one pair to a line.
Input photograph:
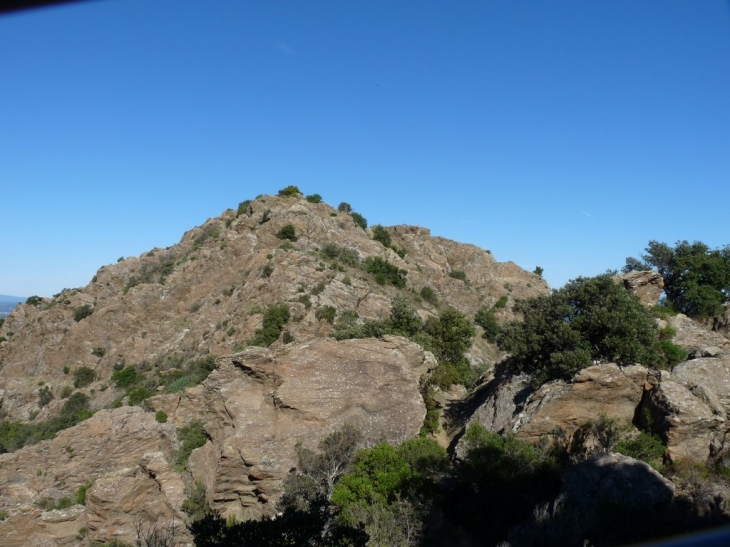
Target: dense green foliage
[382,235]
[243,207]
[448,336]
[82,312]
[360,220]
[124,377]
[191,436]
[344,255]
[275,317]
[499,482]
[287,232]
[430,296]
[289,192]
[588,319]
[385,272]
[344,207]
[15,435]
[83,376]
[314,198]
[486,319]
[327,313]
[696,278]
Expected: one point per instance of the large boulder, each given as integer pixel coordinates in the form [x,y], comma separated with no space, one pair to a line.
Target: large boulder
[600,389]
[691,428]
[258,405]
[646,285]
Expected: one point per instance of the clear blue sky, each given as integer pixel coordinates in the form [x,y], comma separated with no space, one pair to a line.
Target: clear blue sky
[560,134]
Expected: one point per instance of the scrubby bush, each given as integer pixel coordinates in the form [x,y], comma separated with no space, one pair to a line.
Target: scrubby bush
[696,278]
[327,313]
[190,436]
[275,317]
[124,377]
[430,296]
[289,192]
[486,319]
[344,207]
[34,300]
[44,396]
[161,416]
[347,256]
[458,274]
[502,302]
[83,376]
[382,235]
[82,312]
[314,198]
[138,394]
[360,220]
[243,208]
[384,271]
[287,232]
[588,319]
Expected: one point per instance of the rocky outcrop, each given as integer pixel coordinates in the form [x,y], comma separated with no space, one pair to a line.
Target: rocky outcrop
[691,428]
[565,406]
[206,295]
[693,335]
[510,405]
[646,285]
[122,453]
[617,479]
[256,406]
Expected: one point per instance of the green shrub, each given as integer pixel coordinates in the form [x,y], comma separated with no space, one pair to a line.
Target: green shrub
[98,352]
[344,207]
[384,271]
[44,396]
[287,232]
[66,392]
[289,192]
[538,271]
[646,447]
[82,312]
[696,278]
[430,296]
[267,271]
[190,436]
[502,302]
[124,377]
[196,503]
[138,394]
[83,376]
[347,256]
[161,416]
[359,220]
[66,369]
[34,301]
[287,337]
[80,495]
[587,319]
[243,208]
[275,317]
[458,274]
[382,235]
[486,319]
[673,354]
[327,313]
[314,198]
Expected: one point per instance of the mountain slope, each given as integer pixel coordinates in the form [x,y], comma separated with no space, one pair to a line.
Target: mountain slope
[147,329]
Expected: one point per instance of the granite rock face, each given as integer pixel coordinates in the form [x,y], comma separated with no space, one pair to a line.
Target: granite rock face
[646,285]
[255,406]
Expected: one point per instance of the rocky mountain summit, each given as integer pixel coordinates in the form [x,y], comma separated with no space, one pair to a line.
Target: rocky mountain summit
[122,359]
[201,375]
